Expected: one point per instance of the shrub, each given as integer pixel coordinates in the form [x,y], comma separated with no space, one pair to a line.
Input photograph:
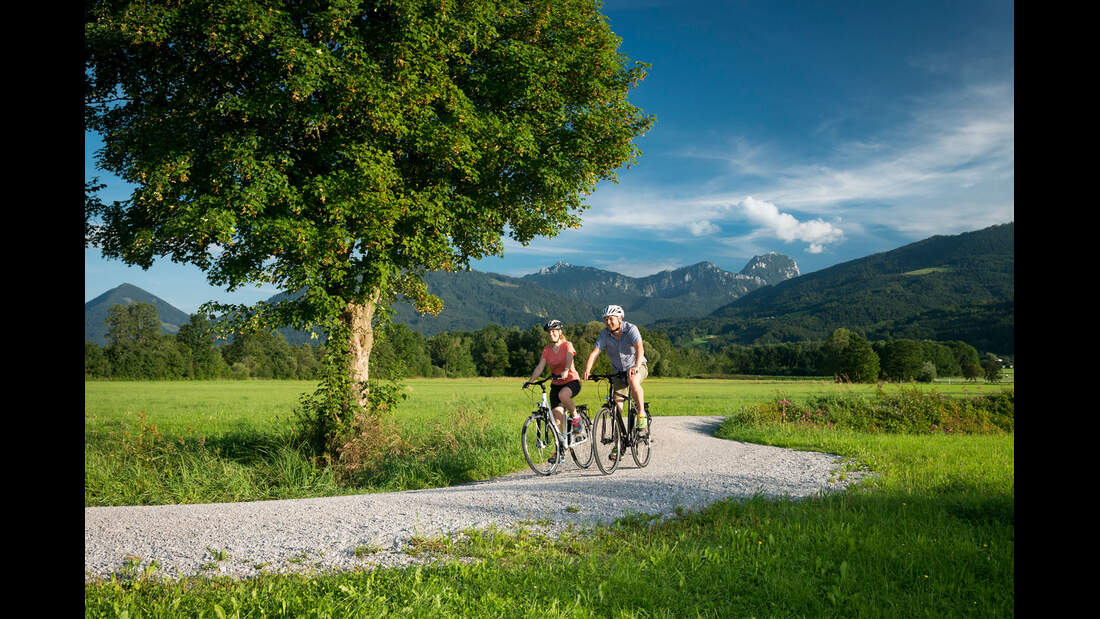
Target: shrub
[927,372]
[460,448]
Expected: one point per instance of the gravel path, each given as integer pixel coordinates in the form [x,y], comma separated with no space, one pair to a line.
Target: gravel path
[689,468]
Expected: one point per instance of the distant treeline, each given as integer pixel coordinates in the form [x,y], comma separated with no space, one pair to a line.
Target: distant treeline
[136,350]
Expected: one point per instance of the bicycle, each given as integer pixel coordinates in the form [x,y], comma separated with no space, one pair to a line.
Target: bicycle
[541,438]
[608,430]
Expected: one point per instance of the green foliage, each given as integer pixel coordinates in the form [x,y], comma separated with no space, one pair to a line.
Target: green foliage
[95,361]
[848,355]
[326,417]
[927,372]
[452,353]
[907,411]
[992,370]
[196,337]
[901,360]
[399,351]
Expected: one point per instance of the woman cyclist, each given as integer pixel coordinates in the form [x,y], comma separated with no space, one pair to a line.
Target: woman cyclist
[565,386]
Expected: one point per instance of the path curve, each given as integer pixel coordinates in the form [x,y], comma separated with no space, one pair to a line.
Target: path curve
[690,468]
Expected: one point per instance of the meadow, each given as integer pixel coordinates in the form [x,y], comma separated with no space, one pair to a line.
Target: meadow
[221,406]
[931,534]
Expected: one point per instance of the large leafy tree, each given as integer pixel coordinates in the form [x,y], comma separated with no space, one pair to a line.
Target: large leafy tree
[344,148]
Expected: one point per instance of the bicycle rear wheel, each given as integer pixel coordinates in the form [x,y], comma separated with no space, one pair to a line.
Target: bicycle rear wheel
[582,454]
[605,441]
[539,445]
[639,447]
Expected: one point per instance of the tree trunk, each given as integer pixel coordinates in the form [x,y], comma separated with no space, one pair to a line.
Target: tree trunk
[361,340]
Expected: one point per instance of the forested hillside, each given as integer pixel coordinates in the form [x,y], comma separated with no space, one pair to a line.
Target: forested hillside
[958,286]
[472,299]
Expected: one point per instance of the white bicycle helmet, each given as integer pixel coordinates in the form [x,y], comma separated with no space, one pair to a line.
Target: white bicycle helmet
[552,324]
[613,310]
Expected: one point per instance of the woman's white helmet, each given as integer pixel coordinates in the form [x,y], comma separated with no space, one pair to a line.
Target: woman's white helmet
[613,310]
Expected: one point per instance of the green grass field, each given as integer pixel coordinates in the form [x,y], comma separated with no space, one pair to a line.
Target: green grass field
[931,534]
[213,407]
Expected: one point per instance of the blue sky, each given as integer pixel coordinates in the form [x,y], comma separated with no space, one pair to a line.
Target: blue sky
[825,131]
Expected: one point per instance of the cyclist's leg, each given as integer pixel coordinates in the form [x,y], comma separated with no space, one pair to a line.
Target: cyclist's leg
[637,394]
[556,406]
[566,395]
[565,398]
[621,390]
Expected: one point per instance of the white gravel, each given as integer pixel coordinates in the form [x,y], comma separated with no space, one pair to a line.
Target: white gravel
[689,468]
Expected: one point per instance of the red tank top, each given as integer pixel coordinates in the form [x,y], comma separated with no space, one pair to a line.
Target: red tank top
[556,361]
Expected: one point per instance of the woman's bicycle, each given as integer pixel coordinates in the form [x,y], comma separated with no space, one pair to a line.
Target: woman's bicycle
[610,437]
[544,444]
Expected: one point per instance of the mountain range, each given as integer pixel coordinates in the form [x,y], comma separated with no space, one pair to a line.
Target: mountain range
[958,287]
[472,299]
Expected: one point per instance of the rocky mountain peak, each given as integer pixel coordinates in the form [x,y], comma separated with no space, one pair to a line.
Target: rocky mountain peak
[557,267]
[772,267]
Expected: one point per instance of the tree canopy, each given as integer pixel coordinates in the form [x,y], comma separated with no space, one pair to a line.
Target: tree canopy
[344,148]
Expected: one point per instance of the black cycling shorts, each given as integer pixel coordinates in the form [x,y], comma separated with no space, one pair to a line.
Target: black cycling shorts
[574,386]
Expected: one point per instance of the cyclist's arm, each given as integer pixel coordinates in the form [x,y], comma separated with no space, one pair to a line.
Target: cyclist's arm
[538,370]
[591,359]
[639,354]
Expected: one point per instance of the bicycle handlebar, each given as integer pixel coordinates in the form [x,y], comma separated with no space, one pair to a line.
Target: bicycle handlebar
[606,376]
[536,382]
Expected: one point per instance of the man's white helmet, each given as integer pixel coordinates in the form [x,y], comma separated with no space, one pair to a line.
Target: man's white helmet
[613,310]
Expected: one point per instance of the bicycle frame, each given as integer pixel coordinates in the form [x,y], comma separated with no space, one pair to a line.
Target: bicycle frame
[613,399]
[615,432]
[565,439]
[543,409]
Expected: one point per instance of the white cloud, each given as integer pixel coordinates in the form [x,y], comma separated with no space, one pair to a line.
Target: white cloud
[786,227]
[702,227]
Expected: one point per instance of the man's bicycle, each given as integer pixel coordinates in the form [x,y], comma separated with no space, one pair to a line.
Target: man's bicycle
[544,444]
[610,437]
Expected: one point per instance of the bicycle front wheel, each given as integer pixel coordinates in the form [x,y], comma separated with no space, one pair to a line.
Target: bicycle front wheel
[639,447]
[605,441]
[539,445]
[582,454]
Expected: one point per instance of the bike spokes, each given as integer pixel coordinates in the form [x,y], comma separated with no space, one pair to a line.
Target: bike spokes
[536,448]
[582,453]
[605,441]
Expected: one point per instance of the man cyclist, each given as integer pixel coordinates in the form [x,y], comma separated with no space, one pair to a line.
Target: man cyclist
[622,341]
